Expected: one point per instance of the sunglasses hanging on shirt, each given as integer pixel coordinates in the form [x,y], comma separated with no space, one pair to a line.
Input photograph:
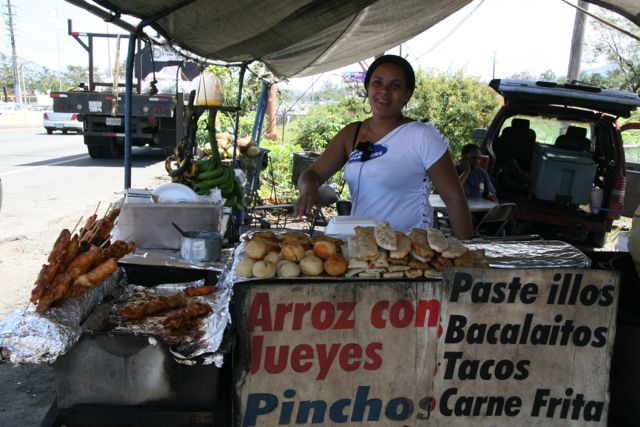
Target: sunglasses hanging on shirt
[366,148]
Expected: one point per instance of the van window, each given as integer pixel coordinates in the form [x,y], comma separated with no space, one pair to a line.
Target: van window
[548,129]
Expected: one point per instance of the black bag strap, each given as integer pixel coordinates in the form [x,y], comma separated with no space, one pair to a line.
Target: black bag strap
[355,138]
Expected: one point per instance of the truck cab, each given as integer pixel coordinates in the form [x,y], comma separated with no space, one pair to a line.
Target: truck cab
[556,151]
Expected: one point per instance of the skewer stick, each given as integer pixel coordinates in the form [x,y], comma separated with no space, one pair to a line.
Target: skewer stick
[77,224]
[96,211]
[103,243]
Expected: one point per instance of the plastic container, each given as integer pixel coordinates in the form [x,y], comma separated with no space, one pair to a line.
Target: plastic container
[209,92]
[597,194]
[343,226]
[562,175]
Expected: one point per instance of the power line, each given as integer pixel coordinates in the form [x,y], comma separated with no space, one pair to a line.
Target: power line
[446,36]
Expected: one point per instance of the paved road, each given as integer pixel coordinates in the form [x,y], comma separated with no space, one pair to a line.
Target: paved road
[47,177]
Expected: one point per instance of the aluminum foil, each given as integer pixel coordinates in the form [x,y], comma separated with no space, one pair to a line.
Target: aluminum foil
[207,339]
[531,254]
[29,337]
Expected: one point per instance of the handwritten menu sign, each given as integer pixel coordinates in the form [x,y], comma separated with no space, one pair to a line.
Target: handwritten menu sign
[481,347]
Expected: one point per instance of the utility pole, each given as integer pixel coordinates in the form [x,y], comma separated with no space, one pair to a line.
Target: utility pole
[16,79]
[573,73]
[493,71]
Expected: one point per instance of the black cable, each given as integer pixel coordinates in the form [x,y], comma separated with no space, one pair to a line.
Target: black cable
[355,198]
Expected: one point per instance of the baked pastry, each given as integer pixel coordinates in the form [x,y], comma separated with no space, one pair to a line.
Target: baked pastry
[385,237]
[454,249]
[273,257]
[403,246]
[264,269]
[365,244]
[437,240]
[420,243]
[258,248]
[292,251]
[311,265]
[244,267]
[324,249]
[335,265]
[288,268]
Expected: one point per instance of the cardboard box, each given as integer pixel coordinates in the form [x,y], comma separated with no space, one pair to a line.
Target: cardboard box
[149,225]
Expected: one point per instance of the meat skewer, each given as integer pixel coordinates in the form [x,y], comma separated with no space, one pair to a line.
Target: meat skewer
[196,291]
[186,316]
[156,305]
[98,274]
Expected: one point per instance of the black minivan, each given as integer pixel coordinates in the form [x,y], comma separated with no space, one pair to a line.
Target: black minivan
[556,151]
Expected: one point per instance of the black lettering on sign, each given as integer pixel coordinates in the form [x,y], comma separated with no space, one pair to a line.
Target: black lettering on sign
[495,293]
[569,407]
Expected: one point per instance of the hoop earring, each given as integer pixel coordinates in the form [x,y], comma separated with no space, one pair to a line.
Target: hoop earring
[364,107]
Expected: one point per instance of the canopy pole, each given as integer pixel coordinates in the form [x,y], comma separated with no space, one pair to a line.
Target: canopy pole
[237,124]
[128,94]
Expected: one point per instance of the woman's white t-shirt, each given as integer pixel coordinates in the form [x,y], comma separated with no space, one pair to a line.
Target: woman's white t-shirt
[393,184]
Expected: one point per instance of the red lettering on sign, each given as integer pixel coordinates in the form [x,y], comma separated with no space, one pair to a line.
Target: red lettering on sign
[345,319]
[299,355]
[377,321]
[276,358]
[256,352]
[298,315]
[260,313]
[323,315]
[281,313]
[325,359]
[350,357]
[374,353]
[402,314]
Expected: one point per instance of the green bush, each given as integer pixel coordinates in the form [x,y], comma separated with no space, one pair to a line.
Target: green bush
[320,125]
[277,176]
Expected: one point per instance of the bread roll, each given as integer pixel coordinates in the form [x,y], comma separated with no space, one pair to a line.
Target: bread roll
[311,265]
[324,249]
[264,269]
[273,257]
[244,268]
[288,269]
[292,251]
[335,265]
[257,249]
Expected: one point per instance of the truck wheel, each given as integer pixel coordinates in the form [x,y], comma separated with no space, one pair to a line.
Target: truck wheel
[95,151]
[49,131]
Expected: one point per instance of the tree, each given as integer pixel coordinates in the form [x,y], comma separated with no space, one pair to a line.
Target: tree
[456,104]
[548,76]
[618,49]
[74,75]
[522,75]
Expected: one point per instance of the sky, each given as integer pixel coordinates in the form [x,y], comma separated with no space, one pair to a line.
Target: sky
[521,35]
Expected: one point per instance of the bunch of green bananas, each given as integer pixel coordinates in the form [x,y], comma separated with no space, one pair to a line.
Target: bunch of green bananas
[211,174]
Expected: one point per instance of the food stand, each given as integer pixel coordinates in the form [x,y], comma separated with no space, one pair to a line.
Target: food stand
[529,346]
[526,344]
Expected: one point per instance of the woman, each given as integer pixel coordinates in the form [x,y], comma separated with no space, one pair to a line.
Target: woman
[390,159]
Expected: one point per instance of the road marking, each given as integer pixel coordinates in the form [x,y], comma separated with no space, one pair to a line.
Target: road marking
[80,156]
